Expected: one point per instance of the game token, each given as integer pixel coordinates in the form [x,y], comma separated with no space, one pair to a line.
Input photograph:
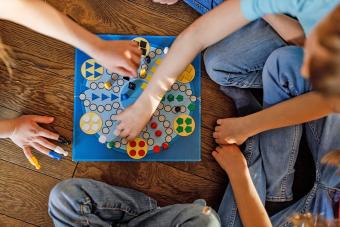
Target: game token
[182,88]
[108,85]
[132,86]
[142,73]
[150,142]
[152,54]
[168,139]
[188,92]
[144,45]
[178,109]
[166,49]
[183,109]
[149,77]
[153,125]
[158,51]
[126,78]
[102,139]
[141,143]
[82,97]
[117,145]
[156,149]
[110,144]
[143,86]
[193,98]
[158,133]
[175,86]
[191,107]
[171,98]
[148,59]
[165,146]
[158,61]
[179,98]
[125,97]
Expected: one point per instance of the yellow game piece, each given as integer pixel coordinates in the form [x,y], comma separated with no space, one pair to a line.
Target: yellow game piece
[33,160]
[158,61]
[108,85]
[188,75]
[142,72]
[143,86]
[153,69]
[149,77]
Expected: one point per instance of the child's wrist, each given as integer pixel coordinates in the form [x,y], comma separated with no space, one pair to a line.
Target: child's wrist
[237,172]
[7,128]
[250,125]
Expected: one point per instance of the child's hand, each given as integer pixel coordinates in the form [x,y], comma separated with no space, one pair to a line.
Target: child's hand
[132,120]
[119,56]
[26,133]
[230,158]
[231,131]
[168,2]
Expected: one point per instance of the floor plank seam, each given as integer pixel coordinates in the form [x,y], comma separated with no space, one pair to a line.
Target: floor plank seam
[19,219]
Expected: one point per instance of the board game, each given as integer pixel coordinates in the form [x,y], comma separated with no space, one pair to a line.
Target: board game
[173,133]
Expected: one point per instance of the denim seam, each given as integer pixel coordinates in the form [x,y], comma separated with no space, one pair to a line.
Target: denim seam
[120,209]
[233,215]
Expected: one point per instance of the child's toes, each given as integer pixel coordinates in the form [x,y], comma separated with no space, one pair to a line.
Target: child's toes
[216,135]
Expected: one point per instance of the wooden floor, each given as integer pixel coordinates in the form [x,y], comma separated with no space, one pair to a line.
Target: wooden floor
[43,84]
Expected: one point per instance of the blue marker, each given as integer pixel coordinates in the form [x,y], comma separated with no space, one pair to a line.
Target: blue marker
[55,155]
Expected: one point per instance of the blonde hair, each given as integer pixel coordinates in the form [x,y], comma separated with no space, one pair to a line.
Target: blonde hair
[5,56]
[325,71]
[309,220]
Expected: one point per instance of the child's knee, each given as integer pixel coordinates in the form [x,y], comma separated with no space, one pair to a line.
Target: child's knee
[210,58]
[282,69]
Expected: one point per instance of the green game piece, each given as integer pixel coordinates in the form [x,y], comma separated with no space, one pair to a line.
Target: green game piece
[110,145]
[171,98]
[179,129]
[179,98]
[179,121]
[163,98]
[188,129]
[191,107]
[188,121]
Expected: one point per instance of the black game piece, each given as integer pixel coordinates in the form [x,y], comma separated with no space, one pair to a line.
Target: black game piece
[126,78]
[143,51]
[148,59]
[132,86]
[178,109]
[142,44]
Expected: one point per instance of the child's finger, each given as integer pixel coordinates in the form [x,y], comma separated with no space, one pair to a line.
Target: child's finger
[216,135]
[125,133]
[219,121]
[33,160]
[44,142]
[42,119]
[27,151]
[47,134]
[40,148]
[218,128]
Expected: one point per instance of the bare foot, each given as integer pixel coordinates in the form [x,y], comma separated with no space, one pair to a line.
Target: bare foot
[167,2]
[231,131]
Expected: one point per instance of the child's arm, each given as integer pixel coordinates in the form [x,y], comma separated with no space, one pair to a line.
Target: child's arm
[208,29]
[288,28]
[298,110]
[251,209]
[122,57]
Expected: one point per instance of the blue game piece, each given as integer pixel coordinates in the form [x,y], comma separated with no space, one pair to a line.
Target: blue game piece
[125,97]
[132,86]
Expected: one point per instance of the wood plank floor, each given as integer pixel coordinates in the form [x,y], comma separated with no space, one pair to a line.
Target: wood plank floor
[43,84]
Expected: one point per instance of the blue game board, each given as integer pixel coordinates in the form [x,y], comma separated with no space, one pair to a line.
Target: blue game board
[174,132]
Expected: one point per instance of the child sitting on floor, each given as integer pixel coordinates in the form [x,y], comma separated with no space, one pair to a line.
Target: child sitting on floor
[120,56]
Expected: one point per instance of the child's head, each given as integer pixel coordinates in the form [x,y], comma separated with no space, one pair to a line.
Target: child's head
[322,55]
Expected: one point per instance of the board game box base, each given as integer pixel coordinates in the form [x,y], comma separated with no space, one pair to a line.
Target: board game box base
[174,131]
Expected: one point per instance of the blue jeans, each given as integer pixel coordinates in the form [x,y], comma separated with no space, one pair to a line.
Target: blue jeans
[238,59]
[85,202]
[271,155]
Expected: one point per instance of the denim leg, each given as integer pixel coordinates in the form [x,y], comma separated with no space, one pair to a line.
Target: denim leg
[279,147]
[228,208]
[203,6]
[238,59]
[322,137]
[84,202]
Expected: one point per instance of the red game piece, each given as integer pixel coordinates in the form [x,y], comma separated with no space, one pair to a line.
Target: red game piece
[132,153]
[133,143]
[156,149]
[141,143]
[165,146]
[153,125]
[141,152]
[158,133]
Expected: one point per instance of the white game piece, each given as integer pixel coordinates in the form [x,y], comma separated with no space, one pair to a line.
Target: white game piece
[188,92]
[150,142]
[102,139]
[182,88]
[166,49]
[193,98]
[60,150]
[108,123]
[158,51]
[183,109]
[117,145]
[168,139]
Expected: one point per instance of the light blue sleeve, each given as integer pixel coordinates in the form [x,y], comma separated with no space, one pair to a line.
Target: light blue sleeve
[254,9]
